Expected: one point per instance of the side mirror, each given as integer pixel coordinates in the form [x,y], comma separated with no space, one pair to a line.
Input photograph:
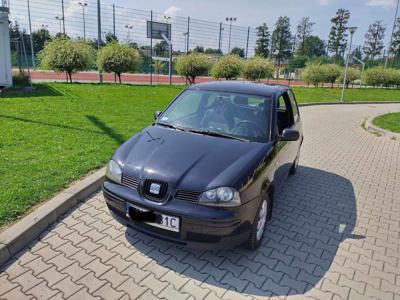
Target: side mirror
[157,114]
[289,135]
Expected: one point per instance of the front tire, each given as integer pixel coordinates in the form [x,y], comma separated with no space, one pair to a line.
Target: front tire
[259,225]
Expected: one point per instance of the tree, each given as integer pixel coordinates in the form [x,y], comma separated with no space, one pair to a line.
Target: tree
[161,48]
[312,46]
[238,51]
[228,67]
[198,49]
[257,68]
[192,65]
[352,75]
[263,40]
[373,44]
[330,73]
[212,51]
[282,40]
[357,53]
[395,47]
[304,30]
[110,37]
[313,74]
[297,62]
[66,55]
[40,37]
[338,33]
[118,58]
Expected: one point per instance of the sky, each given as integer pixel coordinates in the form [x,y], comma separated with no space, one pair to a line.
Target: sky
[248,13]
[254,12]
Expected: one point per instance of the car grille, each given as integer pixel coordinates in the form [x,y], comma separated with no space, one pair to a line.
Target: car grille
[162,192]
[189,196]
[130,181]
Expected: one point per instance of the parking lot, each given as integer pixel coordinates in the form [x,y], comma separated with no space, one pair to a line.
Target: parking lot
[335,234]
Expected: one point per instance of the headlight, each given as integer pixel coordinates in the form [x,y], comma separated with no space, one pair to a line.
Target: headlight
[114,171]
[223,196]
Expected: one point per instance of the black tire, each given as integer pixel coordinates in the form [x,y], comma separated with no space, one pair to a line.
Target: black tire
[253,242]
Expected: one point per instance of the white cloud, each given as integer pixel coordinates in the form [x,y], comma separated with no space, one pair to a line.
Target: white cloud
[324,2]
[385,3]
[172,11]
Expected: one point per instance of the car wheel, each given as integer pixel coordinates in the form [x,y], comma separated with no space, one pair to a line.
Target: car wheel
[259,225]
[293,168]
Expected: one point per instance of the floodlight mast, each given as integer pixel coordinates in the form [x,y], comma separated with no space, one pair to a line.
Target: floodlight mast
[170,57]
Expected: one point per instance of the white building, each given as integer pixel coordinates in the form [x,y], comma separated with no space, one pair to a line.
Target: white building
[5,51]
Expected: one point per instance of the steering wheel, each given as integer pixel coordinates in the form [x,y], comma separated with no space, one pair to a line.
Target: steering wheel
[250,124]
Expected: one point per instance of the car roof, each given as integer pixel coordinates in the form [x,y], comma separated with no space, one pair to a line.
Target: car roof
[242,87]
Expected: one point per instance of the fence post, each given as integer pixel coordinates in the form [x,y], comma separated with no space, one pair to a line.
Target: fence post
[63,15]
[114,20]
[220,38]
[188,34]
[30,34]
[247,43]
[99,35]
[151,47]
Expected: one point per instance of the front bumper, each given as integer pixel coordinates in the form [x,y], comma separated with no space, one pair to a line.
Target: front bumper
[201,227]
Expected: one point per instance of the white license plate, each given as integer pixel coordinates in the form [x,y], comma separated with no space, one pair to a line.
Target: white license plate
[165,221]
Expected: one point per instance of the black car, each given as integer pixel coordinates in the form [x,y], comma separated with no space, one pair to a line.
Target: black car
[205,173]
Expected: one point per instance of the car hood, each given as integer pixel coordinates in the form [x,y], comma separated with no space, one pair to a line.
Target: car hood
[190,161]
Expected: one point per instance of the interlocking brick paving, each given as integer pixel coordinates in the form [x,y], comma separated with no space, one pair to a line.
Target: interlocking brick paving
[334,235]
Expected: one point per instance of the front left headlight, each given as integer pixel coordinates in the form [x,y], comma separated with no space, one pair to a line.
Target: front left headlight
[223,196]
[113,171]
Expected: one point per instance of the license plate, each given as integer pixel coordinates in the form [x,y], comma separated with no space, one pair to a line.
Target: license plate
[152,218]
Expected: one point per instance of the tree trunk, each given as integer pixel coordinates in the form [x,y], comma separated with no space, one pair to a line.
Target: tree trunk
[70,77]
[119,78]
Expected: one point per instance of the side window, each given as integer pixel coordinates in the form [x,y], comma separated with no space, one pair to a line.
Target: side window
[281,103]
[293,102]
[284,113]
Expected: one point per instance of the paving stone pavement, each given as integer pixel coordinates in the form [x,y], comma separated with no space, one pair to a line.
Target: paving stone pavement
[334,235]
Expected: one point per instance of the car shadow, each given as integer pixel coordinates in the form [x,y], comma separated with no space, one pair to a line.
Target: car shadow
[39,90]
[313,213]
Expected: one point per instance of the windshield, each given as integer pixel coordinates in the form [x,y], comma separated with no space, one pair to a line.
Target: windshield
[245,117]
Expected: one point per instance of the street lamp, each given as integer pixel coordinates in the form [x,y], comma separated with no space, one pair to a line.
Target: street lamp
[391,36]
[83,4]
[230,19]
[167,18]
[128,27]
[44,26]
[186,34]
[352,31]
[60,19]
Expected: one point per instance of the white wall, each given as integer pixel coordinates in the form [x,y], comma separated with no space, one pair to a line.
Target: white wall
[5,52]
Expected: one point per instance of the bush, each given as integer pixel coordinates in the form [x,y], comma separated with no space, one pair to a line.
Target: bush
[66,55]
[352,75]
[192,65]
[257,68]
[375,76]
[228,67]
[330,73]
[392,78]
[313,74]
[118,58]
[21,79]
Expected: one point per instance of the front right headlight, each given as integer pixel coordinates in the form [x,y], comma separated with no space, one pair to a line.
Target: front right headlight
[223,196]
[113,171]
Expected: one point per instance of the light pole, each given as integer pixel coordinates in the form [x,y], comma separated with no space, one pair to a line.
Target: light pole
[83,4]
[167,18]
[128,27]
[30,36]
[391,36]
[60,19]
[352,31]
[186,34]
[230,19]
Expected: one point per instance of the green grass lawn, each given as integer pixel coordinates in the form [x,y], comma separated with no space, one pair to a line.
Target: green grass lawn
[388,121]
[62,131]
[326,94]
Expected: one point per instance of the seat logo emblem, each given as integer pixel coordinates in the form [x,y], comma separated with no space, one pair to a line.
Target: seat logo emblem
[155,188]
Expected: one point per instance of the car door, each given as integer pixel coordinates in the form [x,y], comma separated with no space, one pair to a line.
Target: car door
[287,151]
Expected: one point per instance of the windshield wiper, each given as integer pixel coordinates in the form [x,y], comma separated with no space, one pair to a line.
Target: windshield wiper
[170,126]
[217,134]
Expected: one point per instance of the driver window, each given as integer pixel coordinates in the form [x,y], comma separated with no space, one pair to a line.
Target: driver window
[284,113]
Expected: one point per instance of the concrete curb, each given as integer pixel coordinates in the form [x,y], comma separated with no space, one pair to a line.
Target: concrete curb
[375,129]
[347,103]
[16,237]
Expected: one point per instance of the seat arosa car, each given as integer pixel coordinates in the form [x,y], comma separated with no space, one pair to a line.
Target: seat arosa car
[204,174]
